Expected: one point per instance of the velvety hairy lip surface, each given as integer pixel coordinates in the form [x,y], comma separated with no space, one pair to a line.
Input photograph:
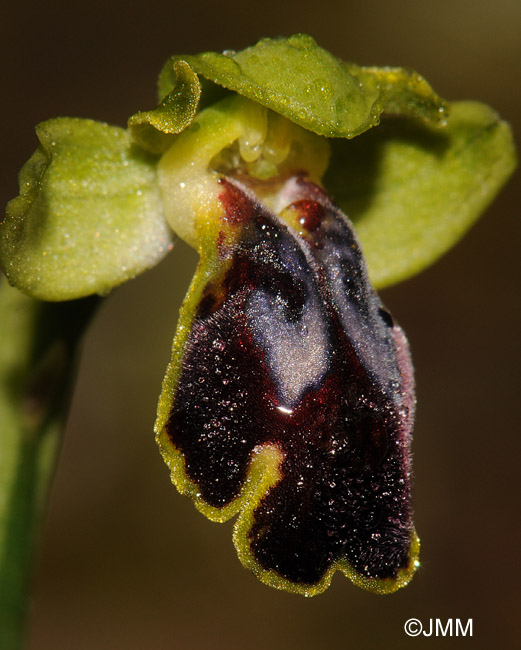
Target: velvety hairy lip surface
[290,350]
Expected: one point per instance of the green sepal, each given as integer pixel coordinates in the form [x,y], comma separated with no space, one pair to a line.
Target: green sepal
[412,191]
[312,88]
[403,92]
[153,129]
[89,215]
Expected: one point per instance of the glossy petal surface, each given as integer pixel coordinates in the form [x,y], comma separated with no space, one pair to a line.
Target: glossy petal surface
[290,398]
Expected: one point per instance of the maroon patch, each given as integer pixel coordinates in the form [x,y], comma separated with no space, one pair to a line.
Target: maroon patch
[299,352]
[238,207]
[310,213]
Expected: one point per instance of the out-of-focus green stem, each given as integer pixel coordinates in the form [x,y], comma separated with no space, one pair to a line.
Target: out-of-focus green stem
[38,341]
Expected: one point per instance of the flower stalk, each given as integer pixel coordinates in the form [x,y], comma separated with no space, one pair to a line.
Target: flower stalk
[38,353]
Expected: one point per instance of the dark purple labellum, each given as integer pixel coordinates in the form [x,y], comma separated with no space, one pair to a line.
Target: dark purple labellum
[290,349]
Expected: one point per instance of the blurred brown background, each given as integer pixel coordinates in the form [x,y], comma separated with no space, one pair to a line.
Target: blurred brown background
[128,563]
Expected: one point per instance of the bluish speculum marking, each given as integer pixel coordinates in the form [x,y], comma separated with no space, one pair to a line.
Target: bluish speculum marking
[291,348]
[287,319]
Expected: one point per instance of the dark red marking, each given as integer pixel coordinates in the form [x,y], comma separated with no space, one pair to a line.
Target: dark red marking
[310,213]
[345,486]
[238,208]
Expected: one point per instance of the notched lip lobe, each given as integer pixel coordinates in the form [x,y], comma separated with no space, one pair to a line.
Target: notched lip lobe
[288,415]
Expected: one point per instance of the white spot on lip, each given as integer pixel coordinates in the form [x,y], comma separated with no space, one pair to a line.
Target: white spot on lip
[285,410]
[297,352]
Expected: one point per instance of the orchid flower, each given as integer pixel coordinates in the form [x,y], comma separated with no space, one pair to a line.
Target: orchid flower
[289,399]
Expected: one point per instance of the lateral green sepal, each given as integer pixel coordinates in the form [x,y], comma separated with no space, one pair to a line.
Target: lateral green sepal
[89,214]
[153,129]
[312,88]
[413,190]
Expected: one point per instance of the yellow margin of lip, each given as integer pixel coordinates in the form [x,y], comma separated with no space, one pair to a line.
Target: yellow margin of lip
[264,469]
[272,579]
[263,474]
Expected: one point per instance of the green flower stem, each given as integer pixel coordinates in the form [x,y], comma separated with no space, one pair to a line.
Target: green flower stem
[38,342]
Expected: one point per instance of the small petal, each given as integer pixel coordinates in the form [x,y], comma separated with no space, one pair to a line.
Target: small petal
[153,129]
